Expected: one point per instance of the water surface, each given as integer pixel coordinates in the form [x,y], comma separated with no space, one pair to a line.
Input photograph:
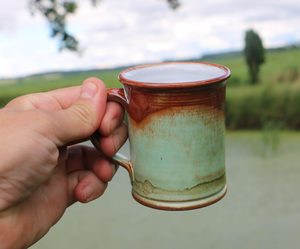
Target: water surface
[260,210]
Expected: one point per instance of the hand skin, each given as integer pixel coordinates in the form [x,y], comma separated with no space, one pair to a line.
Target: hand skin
[40,176]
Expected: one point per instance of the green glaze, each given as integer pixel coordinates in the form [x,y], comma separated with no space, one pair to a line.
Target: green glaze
[178,155]
[176,131]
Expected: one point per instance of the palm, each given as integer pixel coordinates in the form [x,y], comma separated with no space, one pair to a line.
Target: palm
[47,203]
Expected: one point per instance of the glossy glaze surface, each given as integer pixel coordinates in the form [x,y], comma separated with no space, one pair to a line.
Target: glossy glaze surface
[176,142]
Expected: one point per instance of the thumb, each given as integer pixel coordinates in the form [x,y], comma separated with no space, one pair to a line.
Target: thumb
[83,117]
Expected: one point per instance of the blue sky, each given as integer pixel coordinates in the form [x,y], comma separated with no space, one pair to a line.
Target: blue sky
[133,32]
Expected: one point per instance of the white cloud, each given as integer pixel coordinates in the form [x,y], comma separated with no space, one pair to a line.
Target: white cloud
[134,31]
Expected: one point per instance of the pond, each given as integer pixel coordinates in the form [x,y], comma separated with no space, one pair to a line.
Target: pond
[260,210]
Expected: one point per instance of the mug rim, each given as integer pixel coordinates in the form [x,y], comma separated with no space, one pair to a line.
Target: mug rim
[136,83]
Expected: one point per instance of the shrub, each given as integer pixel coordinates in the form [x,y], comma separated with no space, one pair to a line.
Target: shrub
[257,107]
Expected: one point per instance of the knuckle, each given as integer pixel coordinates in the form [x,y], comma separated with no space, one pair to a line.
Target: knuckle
[53,153]
[51,156]
[85,115]
[19,101]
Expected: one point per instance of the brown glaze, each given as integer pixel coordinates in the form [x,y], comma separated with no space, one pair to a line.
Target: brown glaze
[143,102]
[117,95]
[140,99]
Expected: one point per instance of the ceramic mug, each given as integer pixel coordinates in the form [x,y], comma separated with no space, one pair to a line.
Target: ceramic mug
[176,128]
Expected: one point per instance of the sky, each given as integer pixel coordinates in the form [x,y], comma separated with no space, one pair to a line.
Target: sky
[126,32]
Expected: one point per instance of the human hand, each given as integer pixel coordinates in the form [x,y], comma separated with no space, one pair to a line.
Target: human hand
[40,176]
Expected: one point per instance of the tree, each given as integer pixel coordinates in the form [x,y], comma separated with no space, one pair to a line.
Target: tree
[56,12]
[255,54]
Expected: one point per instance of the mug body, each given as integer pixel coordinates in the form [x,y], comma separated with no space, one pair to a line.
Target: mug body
[176,134]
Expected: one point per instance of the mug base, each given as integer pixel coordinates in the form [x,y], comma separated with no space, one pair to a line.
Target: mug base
[180,205]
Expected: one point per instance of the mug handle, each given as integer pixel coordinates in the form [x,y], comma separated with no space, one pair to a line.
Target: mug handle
[116,95]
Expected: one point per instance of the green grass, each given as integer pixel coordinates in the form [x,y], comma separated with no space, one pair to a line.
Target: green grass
[274,102]
[263,106]
[10,89]
[281,67]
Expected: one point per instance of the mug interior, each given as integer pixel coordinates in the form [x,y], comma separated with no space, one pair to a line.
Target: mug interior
[175,73]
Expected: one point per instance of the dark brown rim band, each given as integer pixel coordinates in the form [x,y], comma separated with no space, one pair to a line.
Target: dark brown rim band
[134,83]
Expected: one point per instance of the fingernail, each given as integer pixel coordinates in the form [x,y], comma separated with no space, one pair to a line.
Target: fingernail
[88,193]
[88,90]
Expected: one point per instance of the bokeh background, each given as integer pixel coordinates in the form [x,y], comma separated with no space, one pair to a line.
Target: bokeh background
[100,38]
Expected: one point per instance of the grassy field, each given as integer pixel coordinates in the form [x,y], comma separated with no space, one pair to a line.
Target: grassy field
[276,100]
[282,67]
[11,88]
